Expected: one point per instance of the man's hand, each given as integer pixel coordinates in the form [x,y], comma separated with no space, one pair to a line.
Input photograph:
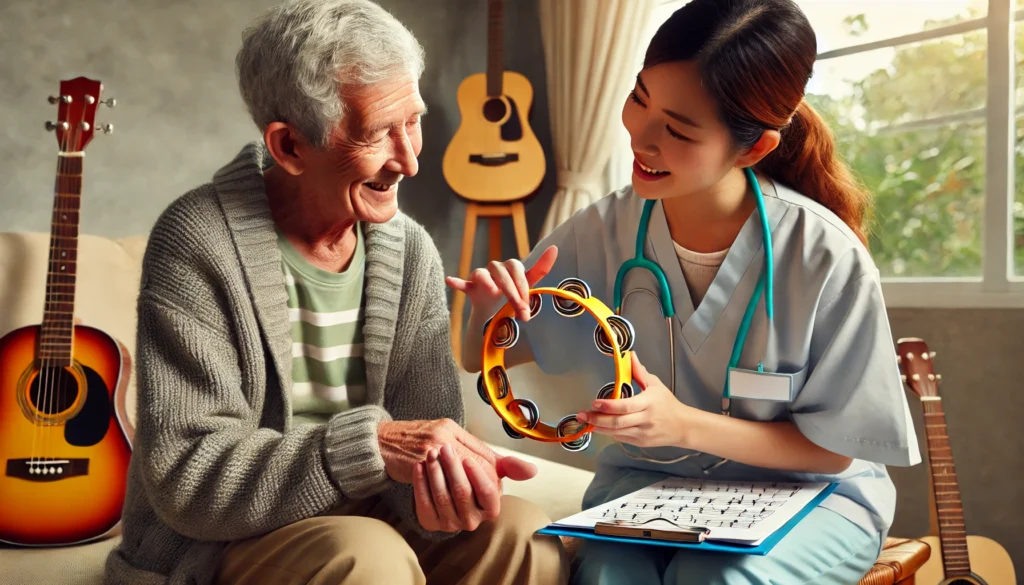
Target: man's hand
[453,495]
[455,476]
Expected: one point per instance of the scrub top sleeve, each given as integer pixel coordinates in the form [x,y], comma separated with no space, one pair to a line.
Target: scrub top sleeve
[853,402]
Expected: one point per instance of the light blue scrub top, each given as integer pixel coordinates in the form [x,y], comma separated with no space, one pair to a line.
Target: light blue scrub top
[831,332]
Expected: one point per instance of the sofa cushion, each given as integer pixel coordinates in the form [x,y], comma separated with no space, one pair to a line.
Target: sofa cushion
[557,488]
[71,565]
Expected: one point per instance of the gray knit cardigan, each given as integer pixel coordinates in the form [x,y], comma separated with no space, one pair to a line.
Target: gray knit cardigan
[215,456]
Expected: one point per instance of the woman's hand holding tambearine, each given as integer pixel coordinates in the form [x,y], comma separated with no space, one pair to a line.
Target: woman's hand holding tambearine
[653,417]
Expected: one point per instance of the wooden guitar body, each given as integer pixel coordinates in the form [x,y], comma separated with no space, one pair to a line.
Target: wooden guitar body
[990,564]
[494,156]
[63,444]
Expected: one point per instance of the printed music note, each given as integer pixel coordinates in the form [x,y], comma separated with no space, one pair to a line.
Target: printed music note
[733,511]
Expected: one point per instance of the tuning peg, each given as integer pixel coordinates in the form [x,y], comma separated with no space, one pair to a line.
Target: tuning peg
[916,377]
[50,126]
[109,102]
[105,128]
[931,377]
[899,359]
[932,354]
[938,377]
[910,357]
[64,98]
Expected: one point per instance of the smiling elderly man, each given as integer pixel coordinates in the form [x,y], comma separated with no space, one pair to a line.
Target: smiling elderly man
[299,409]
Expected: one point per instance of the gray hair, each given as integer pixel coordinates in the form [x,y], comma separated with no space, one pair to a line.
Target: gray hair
[296,60]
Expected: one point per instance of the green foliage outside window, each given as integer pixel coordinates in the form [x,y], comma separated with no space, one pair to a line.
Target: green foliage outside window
[928,180]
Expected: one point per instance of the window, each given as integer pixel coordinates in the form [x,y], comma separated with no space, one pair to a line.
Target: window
[1017,216]
[922,99]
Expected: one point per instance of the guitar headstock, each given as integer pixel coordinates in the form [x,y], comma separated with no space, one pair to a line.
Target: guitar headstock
[76,113]
[915,360]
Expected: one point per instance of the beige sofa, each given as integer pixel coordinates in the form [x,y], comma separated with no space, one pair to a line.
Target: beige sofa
[108,276]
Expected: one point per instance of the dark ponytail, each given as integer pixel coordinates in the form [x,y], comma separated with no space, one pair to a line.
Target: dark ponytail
[806,161]
[755,58]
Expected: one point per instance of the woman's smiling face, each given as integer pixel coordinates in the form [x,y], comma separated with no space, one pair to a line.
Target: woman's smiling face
[680,146]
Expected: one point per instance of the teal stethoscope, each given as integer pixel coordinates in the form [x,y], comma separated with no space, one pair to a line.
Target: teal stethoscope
[664,295]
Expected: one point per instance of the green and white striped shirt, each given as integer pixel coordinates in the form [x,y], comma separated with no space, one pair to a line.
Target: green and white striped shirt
[326,314]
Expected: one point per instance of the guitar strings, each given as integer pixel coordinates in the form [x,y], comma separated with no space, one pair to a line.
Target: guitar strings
[44,373]
[39,403]
[59,392]
[53,380]
[48,374]
[56,371]
[43,378]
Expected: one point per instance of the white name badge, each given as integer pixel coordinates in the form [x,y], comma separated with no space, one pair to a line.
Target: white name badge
[754,385]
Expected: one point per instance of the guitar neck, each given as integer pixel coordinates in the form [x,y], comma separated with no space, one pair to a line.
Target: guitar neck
[495,48]
[55,340]
[948,504]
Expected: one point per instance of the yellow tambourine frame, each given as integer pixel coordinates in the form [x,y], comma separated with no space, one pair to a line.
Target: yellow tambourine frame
[570,299]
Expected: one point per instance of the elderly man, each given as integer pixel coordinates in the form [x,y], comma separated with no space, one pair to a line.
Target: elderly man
[296,386]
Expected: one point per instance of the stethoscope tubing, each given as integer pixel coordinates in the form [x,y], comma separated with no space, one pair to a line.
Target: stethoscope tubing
[765,286]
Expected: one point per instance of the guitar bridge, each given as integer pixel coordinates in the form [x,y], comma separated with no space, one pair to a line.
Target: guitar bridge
[494,160]
[46,469]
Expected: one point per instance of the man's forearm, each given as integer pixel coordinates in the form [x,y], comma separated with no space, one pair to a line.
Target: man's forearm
[774,445]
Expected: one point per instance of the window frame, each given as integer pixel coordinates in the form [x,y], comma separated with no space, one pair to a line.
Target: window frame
[998,286]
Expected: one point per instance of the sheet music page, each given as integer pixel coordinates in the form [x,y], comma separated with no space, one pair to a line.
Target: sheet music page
[733,511]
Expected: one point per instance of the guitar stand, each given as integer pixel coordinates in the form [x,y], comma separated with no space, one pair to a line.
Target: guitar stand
[494,211]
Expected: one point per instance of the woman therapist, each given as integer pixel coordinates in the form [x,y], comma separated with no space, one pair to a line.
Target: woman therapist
[772,358]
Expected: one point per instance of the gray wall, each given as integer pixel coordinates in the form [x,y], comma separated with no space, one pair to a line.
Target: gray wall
[179,118]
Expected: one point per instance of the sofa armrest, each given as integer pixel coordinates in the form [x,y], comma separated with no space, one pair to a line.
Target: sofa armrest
[557,488]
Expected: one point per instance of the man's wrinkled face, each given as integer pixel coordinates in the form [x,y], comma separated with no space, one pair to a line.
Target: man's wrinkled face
[373,148]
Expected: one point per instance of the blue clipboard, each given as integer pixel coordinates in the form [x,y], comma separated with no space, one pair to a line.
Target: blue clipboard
[760,550]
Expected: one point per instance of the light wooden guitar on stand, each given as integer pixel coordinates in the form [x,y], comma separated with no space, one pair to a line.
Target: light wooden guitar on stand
[957,558]
[494,160]
[64,431]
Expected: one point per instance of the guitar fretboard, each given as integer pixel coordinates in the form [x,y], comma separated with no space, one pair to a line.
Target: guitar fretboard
[495,46]
[55,340]
[948,503]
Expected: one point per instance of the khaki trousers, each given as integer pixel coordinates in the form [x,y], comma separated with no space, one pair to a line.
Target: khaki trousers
[363,542]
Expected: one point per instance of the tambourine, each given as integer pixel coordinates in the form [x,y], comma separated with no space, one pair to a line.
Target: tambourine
[613,336]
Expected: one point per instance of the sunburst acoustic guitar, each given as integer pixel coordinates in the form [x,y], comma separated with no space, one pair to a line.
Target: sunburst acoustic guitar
[65,440]
[494,156]
[962,559]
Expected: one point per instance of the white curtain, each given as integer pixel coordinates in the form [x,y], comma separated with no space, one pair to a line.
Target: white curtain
[590,50]
[620,166]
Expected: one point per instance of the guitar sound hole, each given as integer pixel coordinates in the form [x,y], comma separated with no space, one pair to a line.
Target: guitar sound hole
[494,110]
[53,391]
